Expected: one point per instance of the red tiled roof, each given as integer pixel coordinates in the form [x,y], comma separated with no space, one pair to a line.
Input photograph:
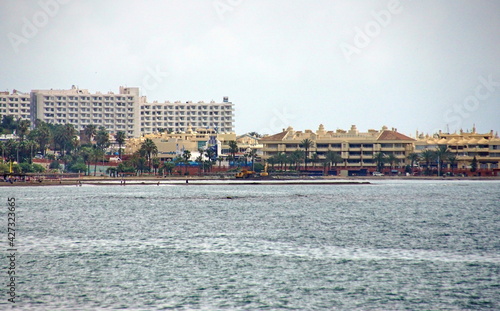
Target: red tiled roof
[393,135]
[278,136]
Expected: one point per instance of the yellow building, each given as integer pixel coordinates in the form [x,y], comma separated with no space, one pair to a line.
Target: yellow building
[171,145]
[465,146]
[357,149]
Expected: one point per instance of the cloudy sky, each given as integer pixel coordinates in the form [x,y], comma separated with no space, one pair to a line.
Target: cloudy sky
[413,65]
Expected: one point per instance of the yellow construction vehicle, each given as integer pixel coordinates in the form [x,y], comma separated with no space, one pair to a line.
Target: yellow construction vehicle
[245,174]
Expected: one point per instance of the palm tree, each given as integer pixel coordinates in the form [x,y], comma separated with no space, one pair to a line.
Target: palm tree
[233,149]
[333,158]
[255,134]
[473,165]
[428,156]
[453,160]
[280,158]
[199,160]
[149,148]
[296,157]
[102,138]
[253,154]
[31,144]
[306,144]
[97,153]
[120,139]
[23,127]
[442,152]
[42,136]
[380,159]
[86,153]
[169,167]
[186,155]
[315,158]
[90,131]
[210,154]
[413,157]
[391,159]
[220,159]
[156,164]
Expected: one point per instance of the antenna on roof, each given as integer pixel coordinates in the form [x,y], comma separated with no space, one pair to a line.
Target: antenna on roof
[447,128]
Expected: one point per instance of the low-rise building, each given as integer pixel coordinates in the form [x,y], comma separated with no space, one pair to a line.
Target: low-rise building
[357,149]
[465,146]
[171,145]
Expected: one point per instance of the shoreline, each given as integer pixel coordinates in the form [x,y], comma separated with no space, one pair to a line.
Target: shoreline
[203,180]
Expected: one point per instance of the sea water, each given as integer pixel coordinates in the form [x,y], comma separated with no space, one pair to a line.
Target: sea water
[389,245]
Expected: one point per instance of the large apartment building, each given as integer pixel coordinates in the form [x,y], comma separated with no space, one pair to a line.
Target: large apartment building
[179,116]
[356,148]
[15,104]
[465,145]
[115,112]
[125,111]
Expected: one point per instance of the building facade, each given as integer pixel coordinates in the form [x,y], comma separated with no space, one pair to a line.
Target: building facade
[357,149]
[15,104]
[171,145]
[125,111]
[179,116]
[79,107]
[485,147]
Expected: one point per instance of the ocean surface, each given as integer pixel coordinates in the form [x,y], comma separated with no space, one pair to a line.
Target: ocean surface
[390,245]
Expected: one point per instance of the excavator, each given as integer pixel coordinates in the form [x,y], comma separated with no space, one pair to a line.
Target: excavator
[252,174]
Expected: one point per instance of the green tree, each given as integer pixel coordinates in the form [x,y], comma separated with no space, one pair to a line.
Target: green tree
[97,154]
[86,153]
[156,164]
[428,156]
[333,158]
[441,153]
[120,138]
[102,138]
[54,165]
[306,144]
[473,165]
[392,160]
[233,149]
[65,137]
[9,124]
[380,159]
[90,131]
[453,161]
[297,157]
[22,129]
[169,167]
[149,149]
[42,135]
[413,157]
[252,155]
[186,155]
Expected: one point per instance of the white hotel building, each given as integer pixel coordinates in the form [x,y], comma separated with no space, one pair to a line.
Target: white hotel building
[126,111]
[179,116]
[16,104]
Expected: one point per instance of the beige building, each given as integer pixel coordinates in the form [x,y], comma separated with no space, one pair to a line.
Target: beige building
[16,104]
[171,145]
[356,148]
[465,146]
[178,116]
[116,112]
[125,111]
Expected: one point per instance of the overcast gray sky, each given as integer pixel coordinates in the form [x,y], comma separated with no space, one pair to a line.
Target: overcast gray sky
[424,65]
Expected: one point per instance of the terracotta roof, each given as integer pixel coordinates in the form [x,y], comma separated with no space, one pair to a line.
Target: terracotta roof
[278,136]
[393,135]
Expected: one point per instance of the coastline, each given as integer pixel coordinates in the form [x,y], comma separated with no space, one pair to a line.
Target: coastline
[205,180]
